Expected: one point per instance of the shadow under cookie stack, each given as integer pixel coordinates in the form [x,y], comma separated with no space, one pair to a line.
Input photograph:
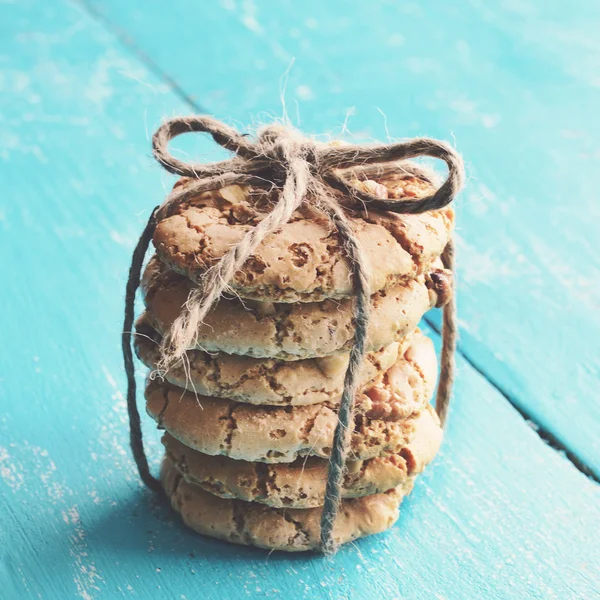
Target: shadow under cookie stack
[249,414]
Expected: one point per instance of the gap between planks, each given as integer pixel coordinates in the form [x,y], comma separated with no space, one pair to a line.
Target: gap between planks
[549,438]
[546,436]
[128,43]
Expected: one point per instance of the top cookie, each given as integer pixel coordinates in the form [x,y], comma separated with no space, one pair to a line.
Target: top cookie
[305,260]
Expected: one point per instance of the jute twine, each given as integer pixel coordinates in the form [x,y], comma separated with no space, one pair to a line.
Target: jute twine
[305,172]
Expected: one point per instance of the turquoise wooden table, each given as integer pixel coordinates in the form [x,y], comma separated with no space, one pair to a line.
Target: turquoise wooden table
[510,509]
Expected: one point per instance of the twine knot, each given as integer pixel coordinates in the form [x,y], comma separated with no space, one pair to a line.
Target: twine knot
[280,152]
[303,170]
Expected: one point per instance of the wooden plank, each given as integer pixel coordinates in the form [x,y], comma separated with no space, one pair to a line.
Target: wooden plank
[499,515]
[516,86]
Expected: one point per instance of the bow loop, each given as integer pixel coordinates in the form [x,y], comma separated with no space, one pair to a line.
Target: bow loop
[387,158]
[223,135]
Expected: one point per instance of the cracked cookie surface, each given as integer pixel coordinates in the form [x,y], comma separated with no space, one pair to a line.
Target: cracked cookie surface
[392,380]
[304,261]
[288,331]
[271,434]
[289,529]
[301,484]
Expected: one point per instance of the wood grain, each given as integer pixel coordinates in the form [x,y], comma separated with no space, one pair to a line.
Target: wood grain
[499,514]
[515,85]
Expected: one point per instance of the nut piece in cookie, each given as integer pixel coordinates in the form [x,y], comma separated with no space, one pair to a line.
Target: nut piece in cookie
[404,388]
[439,282]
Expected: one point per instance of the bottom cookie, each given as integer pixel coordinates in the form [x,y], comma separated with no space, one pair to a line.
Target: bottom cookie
[285,529]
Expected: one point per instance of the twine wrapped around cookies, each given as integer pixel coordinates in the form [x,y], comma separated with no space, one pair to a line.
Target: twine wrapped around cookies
[305,172]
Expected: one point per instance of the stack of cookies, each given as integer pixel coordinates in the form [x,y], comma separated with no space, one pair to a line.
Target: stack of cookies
[249,414]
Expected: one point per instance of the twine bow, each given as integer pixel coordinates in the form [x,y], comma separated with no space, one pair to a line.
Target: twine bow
[304,171]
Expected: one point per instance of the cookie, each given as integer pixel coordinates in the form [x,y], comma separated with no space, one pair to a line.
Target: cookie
[267,433]
[301,484]
[288,331]
[287,529]
[309,381]
[305,260]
